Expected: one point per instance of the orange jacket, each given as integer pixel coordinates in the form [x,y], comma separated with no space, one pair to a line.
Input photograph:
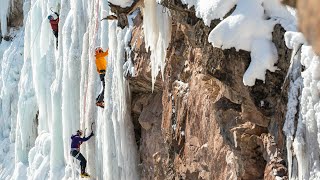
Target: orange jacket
[101,62]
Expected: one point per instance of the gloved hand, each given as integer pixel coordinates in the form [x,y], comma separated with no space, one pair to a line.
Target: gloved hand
[92,134]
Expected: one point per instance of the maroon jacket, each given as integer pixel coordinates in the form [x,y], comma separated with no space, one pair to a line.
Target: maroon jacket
[54,24]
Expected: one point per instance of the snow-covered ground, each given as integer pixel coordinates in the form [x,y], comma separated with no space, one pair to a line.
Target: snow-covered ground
[46,94]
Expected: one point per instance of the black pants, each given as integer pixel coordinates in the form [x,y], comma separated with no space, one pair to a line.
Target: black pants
[83,161]
[56,35]
[101,94]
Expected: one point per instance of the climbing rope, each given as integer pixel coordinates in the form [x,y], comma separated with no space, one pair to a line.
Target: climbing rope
[287,76]
[38,27]
[91,51]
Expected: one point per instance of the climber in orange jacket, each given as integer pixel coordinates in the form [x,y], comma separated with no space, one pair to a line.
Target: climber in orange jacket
[101,64]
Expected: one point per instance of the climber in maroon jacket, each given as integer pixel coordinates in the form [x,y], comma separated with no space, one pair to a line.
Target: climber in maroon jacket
[54,21]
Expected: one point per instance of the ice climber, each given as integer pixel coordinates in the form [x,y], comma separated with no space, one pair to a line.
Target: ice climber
[101,64]
[76,141]
[54,21]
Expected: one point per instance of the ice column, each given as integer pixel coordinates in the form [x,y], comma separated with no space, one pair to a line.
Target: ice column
[157,32]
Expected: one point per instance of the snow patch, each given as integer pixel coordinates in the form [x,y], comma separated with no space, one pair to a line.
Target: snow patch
[247,29]
[122,3]
[210,10]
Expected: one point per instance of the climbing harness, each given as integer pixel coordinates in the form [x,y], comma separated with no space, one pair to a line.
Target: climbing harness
[77,155]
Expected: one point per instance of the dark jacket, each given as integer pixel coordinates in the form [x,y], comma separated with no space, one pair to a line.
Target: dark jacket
[77,141]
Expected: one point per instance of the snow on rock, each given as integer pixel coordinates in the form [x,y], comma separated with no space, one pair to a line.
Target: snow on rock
[122,3]
[247,29]
[157,32]
[284,15]
[263,56]
[294,39]
[210,10]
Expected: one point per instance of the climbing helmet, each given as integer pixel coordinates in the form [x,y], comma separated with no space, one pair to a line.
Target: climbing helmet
[80,132]
[99,50]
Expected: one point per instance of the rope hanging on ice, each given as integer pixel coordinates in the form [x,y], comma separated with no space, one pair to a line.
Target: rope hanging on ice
[91,51]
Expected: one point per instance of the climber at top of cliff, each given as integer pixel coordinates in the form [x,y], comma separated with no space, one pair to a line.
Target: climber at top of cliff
[54,21]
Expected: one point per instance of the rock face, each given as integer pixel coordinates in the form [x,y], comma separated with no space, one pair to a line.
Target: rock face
[309,20]
[16,14]
[15,17]
[201,122]
[289,2]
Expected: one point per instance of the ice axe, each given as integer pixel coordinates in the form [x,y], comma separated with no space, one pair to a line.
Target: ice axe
[51,10]
[91,126]
[110,17]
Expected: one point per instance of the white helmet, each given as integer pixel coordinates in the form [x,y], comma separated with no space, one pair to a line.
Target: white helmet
[54,16]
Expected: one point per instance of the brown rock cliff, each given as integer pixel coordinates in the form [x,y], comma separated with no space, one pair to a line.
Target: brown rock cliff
[201,122]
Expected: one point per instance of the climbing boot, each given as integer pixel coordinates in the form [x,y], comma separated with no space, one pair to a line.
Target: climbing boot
[100,104]
[85,175]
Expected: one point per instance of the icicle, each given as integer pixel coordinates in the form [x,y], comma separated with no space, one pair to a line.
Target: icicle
[294,93]
[157,32]
[4,10]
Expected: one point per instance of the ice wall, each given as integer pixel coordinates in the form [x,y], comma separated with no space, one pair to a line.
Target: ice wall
[46,94]
[11,59]
[49,92]
[122,3]
[115,127]
[302,124]
[249,27]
